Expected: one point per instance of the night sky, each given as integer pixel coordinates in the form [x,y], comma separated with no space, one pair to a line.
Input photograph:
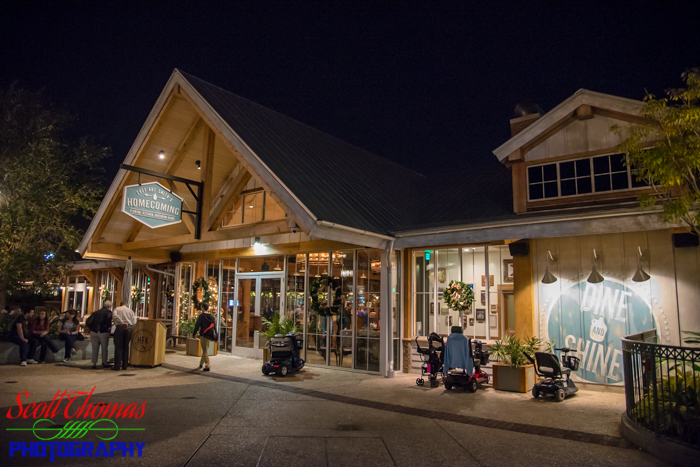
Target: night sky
[430,85]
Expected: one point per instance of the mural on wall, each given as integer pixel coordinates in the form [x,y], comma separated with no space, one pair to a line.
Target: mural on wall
[592,318]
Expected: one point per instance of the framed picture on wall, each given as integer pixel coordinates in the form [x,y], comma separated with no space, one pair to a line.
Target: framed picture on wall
[508,271]
[432,308]
[483,280]
[480,314]
[493,322]
[442,275]
[483,298]
[494,309]
[471,321]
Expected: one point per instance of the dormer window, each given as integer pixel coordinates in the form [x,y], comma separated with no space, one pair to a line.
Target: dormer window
[598,174]
[253,207]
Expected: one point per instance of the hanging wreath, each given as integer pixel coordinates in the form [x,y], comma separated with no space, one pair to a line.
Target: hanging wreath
[319,285]
[135,293]
[104,292]
[200,283]
[459,296]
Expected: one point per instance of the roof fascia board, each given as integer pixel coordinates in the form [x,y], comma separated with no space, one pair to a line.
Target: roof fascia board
[304,216]
[152,116]
[322,232]
[626,221]
[563,111]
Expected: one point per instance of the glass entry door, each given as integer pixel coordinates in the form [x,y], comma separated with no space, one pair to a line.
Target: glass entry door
[257,297]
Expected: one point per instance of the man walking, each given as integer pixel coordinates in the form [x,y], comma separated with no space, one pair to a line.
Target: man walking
[100,324]
[124,319]
[206,325]
[20,335]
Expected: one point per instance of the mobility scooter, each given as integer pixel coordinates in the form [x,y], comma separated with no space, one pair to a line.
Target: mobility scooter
[557,381]
[432,358]
[284,355]
[460,378]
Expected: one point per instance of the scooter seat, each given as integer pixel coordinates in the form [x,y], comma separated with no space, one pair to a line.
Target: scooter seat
[551,372]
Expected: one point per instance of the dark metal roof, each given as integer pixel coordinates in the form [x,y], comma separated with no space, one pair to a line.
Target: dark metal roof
[335,180]
[483,194]
[341,183]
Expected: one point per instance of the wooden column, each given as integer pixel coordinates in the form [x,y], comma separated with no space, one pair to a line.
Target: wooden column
[207,164]
[519,186]
[523,289]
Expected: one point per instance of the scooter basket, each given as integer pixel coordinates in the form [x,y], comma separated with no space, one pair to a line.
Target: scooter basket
[485,354]
[571,362]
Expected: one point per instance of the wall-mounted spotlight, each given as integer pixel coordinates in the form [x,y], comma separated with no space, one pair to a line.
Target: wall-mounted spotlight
[595,277]
[161,155]
[256,241]
[199,165]
[549,278]
[640,275]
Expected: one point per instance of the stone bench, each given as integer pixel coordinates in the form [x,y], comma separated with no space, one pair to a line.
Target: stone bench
[9,352]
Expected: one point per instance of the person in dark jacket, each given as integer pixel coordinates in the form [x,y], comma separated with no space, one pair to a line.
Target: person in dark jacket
[40,331]
[206,326]
[20,335]
[100,324]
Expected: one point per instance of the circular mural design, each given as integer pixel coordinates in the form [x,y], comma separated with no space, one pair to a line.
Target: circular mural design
[592,318]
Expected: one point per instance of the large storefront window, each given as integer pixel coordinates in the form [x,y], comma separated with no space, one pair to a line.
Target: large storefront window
[317,323]
[488,270]
[228,304]
[167,293]
[424,291]
[342,265]
[184,305]
[296,265]
[396,307]
[368,294]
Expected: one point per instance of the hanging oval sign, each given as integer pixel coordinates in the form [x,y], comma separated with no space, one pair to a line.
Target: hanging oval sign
[592,319]
[152,204]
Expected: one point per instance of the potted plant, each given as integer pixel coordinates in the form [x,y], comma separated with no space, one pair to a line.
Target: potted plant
[277,325]
[512,371]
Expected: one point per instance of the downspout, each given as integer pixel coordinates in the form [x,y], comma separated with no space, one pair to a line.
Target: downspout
[390,318]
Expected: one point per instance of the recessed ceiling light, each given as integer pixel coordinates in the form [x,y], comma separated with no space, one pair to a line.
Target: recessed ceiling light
[161,155]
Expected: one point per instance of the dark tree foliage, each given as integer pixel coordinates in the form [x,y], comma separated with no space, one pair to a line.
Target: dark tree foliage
[49,181]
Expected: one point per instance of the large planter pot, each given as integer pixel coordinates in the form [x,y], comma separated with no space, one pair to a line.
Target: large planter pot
[506,378]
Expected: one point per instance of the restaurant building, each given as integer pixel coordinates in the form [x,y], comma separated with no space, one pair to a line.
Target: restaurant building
[357,250]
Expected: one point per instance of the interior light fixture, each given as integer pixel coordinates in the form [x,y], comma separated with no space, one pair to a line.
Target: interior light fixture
[549,278]
[363,276]
[595,277]
[161,155]
[640,275]
[199,164]
[278,268]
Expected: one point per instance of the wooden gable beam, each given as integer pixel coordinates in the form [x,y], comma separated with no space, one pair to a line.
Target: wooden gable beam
[207,164]
[233,188]
[116,201]
[88,275]
[248,230]
[619,116]
[187,218]
[184,146]
[134,232]
[118,273]
[233,149]
[115,251]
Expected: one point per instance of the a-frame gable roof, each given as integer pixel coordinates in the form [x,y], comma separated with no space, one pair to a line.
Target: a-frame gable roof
[334,180]
[565,110]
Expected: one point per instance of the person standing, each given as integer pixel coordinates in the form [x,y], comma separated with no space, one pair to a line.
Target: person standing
[206,325]
[20,335]
[124,319]
[40,332]
[100,324]
[69,332]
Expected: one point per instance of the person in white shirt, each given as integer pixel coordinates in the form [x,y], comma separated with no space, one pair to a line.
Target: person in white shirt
[123,319]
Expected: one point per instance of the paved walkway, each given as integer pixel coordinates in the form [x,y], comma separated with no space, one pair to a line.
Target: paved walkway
[234,415]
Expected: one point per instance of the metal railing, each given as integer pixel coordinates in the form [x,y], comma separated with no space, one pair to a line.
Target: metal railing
[662,387]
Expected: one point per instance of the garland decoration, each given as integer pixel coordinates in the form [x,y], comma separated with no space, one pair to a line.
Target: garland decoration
[320,286]
[459,296]
[200,283]
[135,293]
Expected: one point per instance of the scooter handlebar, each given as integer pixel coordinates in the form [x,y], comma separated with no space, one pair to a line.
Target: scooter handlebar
[564,349]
